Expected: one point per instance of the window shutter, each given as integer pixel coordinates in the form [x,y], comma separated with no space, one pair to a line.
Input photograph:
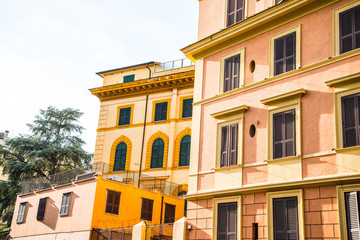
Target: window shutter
[277,136]
[285,218]
[233,144]
[290,133]
[236,69]
[227,72]
[227,221]
[284,132]
[292,219]
[157,154]
[224,144]
[21,213]
[41,209]
[352,215]
[184,157]
[164,111]
[169,213]
[285,53]
[350,117]
[349,29]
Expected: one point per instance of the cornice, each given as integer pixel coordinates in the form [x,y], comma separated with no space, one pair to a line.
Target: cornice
[292,94]
[140,87]
[255,25]
[343,80]
[231,111]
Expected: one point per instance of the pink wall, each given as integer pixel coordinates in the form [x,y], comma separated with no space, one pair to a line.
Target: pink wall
[80,211]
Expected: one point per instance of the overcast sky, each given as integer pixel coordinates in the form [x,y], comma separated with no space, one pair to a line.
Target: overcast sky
[50,51]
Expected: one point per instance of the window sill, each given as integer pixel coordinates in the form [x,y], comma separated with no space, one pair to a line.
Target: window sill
[183,167]
[112,214]
[347,149]
[125,125]
[64,215]
[298,157]
[228,168]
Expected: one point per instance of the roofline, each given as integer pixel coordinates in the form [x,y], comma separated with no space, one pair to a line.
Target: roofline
[122,68]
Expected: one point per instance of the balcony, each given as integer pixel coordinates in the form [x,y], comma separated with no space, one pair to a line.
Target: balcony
[180,63]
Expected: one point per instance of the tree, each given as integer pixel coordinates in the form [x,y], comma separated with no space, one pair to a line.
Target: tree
[51,147]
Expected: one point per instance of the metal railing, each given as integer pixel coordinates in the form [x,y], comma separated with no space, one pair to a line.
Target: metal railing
[180,63]
[112,233]
[42,183]
[147,182]
[160,231]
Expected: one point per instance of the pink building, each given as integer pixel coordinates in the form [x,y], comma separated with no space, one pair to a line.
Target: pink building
[275,148]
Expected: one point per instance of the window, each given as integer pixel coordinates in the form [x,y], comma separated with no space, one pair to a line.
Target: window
[226,221]
[232,69]
[285,215]
[285,51]
[112,202]
[146,209]
[284,134]
[235,11]
[124,116]
[278,1]
[352,214]
[65,203]
[285,218]
[41,208]
[351,120]
[161,111]
[120,157]
[157,154]
[285,54]
[184,157]
[129,78]
[21,213]
[229,145]
[349,21]
[169,213]
[187,108]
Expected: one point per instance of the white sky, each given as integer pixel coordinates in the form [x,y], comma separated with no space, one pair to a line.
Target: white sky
[50,51]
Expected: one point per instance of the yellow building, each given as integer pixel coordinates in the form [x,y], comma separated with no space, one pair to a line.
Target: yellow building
[144,128]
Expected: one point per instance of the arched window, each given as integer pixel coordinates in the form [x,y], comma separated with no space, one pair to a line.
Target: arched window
[184,157]
[157,154]
[120,157]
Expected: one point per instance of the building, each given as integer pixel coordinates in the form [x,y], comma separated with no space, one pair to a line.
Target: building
[83,208]
[144,129]
[3,136]
[275,134]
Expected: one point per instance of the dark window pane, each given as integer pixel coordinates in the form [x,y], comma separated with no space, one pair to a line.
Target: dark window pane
[239,15]
[232,218]
[285,218]
[239,4]
[231,6]
[289,125]
[290,43]
[347,44]
[146,209]
[291,215]
[157,154]
[41,208]
[279,216]
[346,23]
[350,137]
[279,49]
[226,222]
[124,116]
[357,19]
[120,157]
[187,108]
[129,78]
[290,64]
[289,148]
[357,40]
[278,119]
[161,111]
[185,151]
[169,213]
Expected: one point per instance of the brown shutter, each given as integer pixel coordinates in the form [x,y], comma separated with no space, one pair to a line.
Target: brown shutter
[224,146]
[236,69]
[233,144]
[235,11]
[285,53]
[277,136]
[284,132]
[169,213]
[289,140]
[352,215]
[227,221]
[285,218]
[350,120]
[41,208]
[227,73]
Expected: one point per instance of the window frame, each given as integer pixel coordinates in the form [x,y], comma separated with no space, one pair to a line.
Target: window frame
[167,110]
[223,200]
[223,59]
[285,194]
[22,206]
[297,30]
[129,76]
[181,114]
[142,217]
[180,152]
[41,217]
[62,206]
[336,25]
[131,115]
[112,204]
[116,150]
[357,120]
[163,153]
[226,13]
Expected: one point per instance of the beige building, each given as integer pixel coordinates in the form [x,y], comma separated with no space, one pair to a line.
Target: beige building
[144,128]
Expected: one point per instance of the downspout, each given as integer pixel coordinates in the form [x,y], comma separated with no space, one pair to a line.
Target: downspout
[143,137]
[161,210]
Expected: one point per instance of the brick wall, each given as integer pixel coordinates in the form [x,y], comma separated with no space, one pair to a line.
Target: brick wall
[321,213]
[199,215]
[254,211]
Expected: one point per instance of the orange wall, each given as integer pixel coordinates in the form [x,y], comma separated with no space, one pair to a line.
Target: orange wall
[130,205]
[78,220]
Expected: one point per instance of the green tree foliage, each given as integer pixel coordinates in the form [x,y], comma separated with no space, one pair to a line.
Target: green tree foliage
[52,147]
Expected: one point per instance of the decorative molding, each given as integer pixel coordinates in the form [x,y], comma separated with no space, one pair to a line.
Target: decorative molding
[285,96]
[127,141]
[179,189]
[142,87]
[186,131]
[232,111]
[343,80]
[150,142]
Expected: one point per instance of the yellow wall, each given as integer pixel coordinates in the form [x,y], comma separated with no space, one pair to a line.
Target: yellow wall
[130,205]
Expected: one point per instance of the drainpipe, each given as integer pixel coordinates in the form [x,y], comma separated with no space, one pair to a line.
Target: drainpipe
[143,137]
[161,211]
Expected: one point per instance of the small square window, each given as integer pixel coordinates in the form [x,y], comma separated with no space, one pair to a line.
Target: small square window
[235,11]
[65,203]
[169,213]
[124,116]
[21,213]
[161,111]
[129,78]
[187,108]
[146,209]
[41,208]
[112,202]
[229,145]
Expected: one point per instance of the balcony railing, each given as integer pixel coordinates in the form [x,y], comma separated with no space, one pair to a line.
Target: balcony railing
[180,63]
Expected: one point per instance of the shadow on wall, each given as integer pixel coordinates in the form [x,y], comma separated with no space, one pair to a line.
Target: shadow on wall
[74,196]
[51,214]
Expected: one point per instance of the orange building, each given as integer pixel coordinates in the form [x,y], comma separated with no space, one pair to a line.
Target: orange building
[275,132]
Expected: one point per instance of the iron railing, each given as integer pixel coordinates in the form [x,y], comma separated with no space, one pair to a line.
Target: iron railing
[180,63]
[124,233]
[160,231]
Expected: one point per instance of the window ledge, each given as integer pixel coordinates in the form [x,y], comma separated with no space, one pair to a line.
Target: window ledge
[288,95]
[64,215]
[113,214]
[347,149]
[231,111]
[182,167]
[228,168]
[298,157]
